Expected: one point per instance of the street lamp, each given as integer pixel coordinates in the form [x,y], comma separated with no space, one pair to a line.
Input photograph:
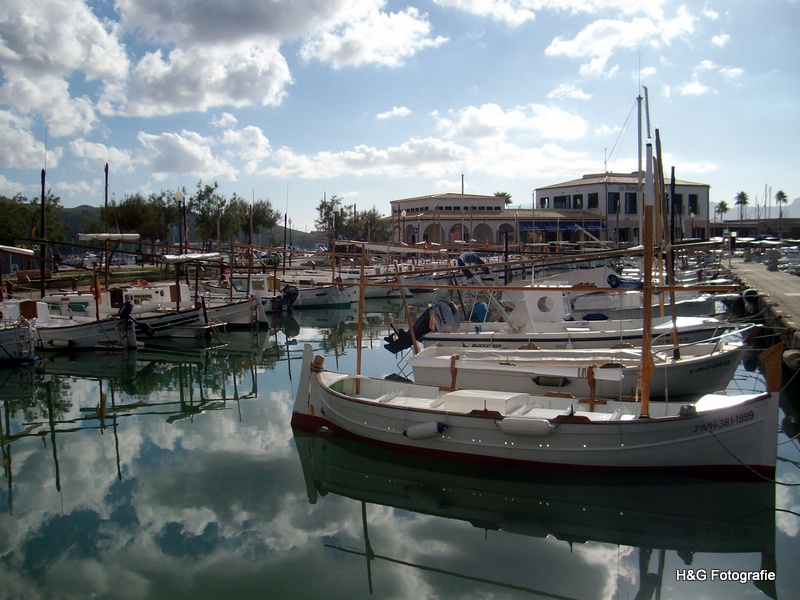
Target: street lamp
[290,241]
[179,199]
[403,214]
[334,212]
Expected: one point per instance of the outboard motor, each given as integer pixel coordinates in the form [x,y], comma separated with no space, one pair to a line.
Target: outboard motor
[442,316]
[290,294]
[470,258]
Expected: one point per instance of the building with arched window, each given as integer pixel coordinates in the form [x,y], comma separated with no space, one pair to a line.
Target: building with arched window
[605,206]
[617,200]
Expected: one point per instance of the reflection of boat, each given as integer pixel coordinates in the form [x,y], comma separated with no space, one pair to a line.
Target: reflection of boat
[719,435]
[649,512]
[90,365]
[324,318]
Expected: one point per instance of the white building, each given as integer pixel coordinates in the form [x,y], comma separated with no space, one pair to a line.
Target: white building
[615,199]
[606,206]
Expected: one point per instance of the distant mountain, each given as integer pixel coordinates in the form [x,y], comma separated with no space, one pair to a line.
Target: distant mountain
[790,210]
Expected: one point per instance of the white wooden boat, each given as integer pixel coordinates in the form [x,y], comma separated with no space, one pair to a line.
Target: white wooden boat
[55,332]
[162,310]
[692,370]
[323,297]
[719,435]
[262,286]
[542,319]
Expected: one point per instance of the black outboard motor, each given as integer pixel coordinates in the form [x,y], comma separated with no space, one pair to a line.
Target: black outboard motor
[470,258]
[444,317]
[290,293]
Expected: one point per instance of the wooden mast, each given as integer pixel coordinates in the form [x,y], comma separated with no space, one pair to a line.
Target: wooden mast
[646,371]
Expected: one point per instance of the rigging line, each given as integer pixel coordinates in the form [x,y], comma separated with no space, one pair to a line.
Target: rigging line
[623,131]
[748,467]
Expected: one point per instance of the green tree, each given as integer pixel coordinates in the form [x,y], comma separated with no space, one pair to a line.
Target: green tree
[741,201]
[371,226]
[207,208]
[325,212]
[721,208]
[264,216]
[780,199]
[505,195]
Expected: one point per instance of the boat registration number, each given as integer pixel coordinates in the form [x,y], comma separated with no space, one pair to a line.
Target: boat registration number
[726,422]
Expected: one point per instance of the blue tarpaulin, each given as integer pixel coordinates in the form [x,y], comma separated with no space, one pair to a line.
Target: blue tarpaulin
[562,225]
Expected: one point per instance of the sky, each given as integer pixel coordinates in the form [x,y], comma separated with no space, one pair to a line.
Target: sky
[373,100]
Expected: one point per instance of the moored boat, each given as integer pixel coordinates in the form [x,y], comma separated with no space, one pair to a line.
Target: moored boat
[719,435]
[686,370]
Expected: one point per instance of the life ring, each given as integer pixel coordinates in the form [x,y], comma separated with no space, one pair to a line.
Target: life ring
[141,283]
[614,280]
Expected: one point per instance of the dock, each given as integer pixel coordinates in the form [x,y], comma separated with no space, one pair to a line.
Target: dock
[778,297]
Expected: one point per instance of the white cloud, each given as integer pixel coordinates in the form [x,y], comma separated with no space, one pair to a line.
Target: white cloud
[599,40]
[43,45]
[385,39]
[418,157]
[224,121]
[511,12]
[731,72]
[693,88]
[490,120]
[720,40]
[249,144]
[200,78]
[567,90]
[171,154]
[95,156]
[19,149]
[397,111]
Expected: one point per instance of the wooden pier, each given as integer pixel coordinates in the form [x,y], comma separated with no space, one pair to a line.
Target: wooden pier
[778,297]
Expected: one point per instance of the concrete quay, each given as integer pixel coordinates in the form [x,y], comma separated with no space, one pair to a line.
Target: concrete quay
[778,297]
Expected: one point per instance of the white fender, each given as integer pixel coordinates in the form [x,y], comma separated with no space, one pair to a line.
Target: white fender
[421,431]
[523,426]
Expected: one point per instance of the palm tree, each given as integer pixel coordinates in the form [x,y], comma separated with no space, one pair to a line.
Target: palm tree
[721,208]
[780,199]
[505,195]
[741,200]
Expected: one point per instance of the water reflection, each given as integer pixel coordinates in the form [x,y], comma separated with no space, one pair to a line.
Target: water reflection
[173,472]
[652,515]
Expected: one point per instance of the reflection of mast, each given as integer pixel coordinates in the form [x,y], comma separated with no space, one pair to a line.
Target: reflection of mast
[52,421]
[7,456]
[371,555]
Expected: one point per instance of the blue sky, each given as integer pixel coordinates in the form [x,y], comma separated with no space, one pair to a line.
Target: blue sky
[374,100]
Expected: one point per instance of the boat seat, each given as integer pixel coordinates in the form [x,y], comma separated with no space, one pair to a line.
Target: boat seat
[388,396]
[468,400]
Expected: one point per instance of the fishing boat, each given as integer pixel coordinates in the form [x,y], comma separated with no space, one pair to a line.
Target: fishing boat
[55,332]
[686,370]
[718,435]
[542,320]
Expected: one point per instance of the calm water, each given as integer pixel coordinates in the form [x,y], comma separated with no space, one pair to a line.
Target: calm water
[174,473]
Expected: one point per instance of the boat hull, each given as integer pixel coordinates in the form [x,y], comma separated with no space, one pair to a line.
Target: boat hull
[735,440]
